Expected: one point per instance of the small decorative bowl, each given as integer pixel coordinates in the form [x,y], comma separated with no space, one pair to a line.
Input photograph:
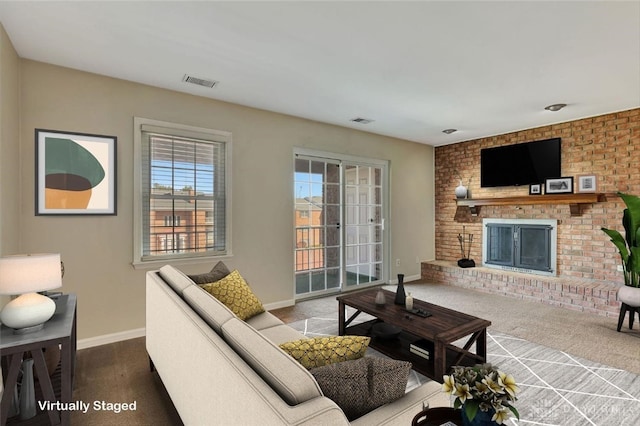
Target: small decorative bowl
[383,330]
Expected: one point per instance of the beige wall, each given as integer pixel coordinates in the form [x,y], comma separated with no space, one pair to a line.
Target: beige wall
[97,251]
[9,149]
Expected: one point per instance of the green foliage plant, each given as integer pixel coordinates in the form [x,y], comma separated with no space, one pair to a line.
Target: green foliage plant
[629,245]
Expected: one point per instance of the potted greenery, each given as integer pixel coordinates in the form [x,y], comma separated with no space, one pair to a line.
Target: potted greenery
[629,246]
[484,393]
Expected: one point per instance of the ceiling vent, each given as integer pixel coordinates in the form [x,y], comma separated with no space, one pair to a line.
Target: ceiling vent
[361,120]
[200,81]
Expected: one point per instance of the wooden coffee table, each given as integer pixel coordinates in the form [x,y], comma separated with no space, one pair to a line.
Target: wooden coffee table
[441,329]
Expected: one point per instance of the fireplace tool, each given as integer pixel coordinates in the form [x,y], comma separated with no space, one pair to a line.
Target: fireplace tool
[465,262]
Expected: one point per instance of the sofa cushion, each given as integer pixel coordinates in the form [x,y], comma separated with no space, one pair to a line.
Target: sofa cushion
[218,272]
[281,334]
[175,278]
[236,294]
[264,320]
[213,311]
[362,385]
[288,378]
[320,351]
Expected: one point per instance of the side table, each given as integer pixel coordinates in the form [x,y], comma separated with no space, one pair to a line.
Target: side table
[59,330]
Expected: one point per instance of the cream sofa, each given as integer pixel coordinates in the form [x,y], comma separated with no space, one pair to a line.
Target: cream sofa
[220,370]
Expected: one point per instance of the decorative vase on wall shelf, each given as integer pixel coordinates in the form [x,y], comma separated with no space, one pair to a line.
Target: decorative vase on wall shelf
[461,190]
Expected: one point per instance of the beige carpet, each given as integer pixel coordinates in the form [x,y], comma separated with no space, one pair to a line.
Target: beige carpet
[558,387]
[589,336]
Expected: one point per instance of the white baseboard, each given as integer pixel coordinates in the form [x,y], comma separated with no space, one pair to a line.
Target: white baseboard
[110,338]
[407,278]
[278,305]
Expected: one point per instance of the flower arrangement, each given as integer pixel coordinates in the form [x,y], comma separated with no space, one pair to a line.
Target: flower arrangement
[482,387]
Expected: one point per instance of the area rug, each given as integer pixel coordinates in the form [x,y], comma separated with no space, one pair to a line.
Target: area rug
[556,388]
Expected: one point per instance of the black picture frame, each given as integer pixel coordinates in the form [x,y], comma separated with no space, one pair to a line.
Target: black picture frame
[535,189]
[75,173]
[562,185]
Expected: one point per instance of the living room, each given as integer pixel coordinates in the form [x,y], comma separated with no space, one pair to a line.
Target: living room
[98,251]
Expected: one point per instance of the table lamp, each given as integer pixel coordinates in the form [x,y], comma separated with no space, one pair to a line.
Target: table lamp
[25,275]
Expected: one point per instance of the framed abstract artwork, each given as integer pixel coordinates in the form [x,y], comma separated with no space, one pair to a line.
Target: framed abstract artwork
[75,173]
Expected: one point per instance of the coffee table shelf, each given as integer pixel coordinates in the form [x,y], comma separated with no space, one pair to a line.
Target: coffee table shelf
[443,328]
[398,348]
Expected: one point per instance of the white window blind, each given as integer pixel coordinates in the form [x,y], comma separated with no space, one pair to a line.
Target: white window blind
[183,193]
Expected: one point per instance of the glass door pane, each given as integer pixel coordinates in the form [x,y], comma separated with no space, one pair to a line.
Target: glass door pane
[533,248]
[500,244]
[339,225]
[317,225]
[363,225]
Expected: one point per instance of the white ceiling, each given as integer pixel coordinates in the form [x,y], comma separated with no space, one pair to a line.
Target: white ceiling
[416,68]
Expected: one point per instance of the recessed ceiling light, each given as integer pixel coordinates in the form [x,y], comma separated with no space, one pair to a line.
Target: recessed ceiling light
[361,120]
[449,131]
[555,107]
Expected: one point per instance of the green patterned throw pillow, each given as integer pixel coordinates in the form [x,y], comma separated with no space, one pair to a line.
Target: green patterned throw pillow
[236,294]
[321,351]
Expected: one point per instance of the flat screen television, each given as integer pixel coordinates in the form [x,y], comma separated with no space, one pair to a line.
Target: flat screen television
[520,164]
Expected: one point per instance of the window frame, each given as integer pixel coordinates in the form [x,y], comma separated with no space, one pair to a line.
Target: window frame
[140,261]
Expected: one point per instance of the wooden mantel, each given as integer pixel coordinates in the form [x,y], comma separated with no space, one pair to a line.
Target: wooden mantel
[574,201]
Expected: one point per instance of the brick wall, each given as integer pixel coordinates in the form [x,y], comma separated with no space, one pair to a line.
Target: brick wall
[592,296]
[607,146]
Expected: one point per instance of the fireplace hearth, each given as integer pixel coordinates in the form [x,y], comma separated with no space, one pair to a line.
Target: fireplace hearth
[523,245]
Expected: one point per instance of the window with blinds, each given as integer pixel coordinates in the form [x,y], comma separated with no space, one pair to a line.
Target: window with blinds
[183,193]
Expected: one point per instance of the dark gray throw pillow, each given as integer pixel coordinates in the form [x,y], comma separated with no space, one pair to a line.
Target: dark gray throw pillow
[218,272]
[362,385]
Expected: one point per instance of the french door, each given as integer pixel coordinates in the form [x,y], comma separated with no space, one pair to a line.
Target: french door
[339,224]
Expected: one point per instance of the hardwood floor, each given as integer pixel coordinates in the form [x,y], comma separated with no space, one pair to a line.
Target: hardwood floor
[307,309]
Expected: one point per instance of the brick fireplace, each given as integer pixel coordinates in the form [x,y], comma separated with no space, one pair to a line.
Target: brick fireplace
[587,279]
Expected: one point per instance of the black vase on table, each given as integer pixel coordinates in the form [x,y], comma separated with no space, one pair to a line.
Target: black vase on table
[400,295]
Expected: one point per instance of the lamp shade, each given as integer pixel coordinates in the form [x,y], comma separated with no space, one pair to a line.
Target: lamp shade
[30,273]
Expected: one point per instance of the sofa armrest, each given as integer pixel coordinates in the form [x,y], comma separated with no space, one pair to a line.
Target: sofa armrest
[319,411]
[403,410]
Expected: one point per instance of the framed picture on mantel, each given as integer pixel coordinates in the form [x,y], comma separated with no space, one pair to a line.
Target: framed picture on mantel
[535,189]
[563,185]
[586,183]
